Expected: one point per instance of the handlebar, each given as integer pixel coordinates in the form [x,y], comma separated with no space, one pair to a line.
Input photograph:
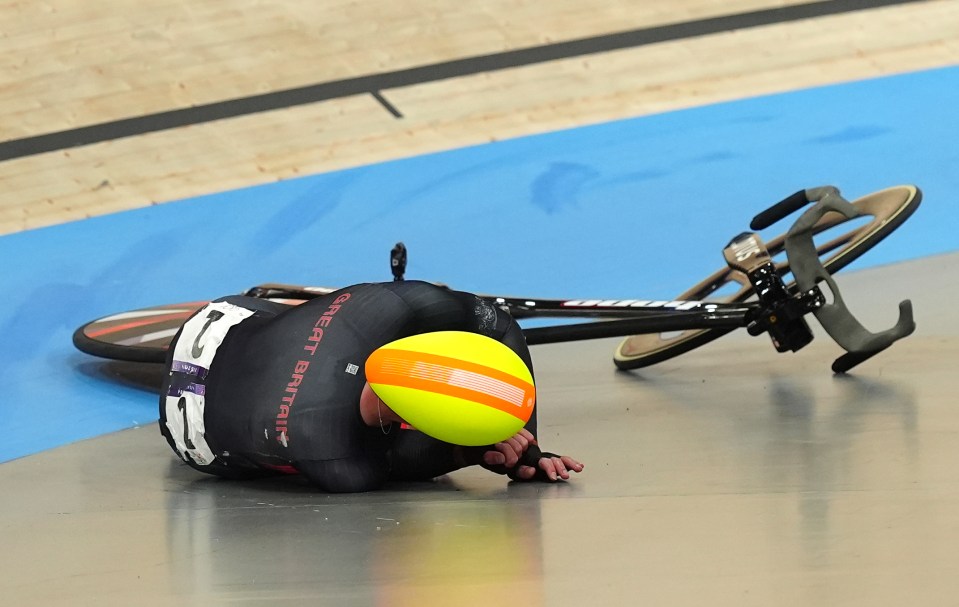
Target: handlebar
[786,206]
[835,317]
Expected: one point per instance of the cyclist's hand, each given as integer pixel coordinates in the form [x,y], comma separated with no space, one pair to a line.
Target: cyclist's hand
[550,468]
[509,452]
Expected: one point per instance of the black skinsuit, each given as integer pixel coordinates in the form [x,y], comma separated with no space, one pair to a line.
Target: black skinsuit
[282,390]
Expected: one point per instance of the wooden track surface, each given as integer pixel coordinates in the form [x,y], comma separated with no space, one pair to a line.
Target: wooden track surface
[67,64]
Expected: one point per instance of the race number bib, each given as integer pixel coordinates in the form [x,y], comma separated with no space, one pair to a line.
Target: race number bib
[192,357]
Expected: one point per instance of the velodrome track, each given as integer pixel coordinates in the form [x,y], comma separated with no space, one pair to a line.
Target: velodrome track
[731,475]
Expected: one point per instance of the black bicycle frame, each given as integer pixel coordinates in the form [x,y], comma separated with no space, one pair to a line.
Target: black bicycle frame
[622,317]
[626,316]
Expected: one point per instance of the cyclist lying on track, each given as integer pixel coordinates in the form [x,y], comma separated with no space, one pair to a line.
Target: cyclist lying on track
[257,388]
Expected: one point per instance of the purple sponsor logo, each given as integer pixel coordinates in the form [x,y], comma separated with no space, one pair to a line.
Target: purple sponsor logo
[190,369]
[194,388]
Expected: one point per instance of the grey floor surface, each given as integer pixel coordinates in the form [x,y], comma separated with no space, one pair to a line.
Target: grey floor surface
[730,476]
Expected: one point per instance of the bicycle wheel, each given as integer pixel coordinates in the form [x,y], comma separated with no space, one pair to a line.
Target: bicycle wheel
[887,208]
[141,336]
[144,335]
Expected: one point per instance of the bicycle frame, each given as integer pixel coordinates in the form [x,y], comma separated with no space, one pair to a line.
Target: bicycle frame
[623,316]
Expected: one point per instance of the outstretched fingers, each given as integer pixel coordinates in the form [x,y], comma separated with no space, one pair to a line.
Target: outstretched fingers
[559,467]
[554,469]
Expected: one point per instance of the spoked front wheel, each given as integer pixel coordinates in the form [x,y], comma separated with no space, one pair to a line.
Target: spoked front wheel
[885,210]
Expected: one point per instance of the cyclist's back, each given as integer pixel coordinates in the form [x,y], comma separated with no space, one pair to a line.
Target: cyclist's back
[257,387]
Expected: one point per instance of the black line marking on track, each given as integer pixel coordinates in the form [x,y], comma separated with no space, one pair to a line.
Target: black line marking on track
[385,103]
[231,108]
